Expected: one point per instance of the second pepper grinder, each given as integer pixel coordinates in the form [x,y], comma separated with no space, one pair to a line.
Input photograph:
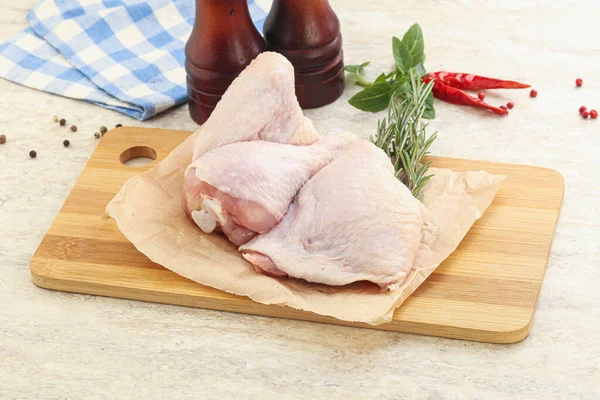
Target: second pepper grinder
[307,32]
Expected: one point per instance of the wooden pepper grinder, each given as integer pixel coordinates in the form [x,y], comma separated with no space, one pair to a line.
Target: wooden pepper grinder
[307,32]
[222,43]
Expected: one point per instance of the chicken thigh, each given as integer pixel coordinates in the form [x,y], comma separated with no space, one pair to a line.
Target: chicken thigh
[260,104]
[353,221]
[246,188]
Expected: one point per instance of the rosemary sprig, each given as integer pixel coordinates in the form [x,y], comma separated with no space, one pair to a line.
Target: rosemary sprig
[402,134]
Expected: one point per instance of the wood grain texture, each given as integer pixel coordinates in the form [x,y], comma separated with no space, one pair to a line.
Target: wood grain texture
[486,290]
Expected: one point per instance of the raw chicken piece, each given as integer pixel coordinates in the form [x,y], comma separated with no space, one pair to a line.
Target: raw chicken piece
[244,188]
[352,221]
[260,104]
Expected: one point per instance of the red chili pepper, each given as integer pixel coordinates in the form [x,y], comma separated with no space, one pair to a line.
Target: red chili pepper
[474,82]
[456,96]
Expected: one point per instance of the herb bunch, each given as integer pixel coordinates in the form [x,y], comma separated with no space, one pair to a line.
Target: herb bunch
[408,55]
[402,134]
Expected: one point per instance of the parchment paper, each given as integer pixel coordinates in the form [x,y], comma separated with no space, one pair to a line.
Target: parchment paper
[148,211]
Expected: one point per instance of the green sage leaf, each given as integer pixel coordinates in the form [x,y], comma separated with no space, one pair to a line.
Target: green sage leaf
[380,78]
[420,68]
[429,112]
[402,88]
[414,42]
[374,98]
[356,68]
[402,56]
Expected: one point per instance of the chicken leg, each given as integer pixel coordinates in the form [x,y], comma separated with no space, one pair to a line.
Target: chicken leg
[246,188]
[352,221]
[260,104]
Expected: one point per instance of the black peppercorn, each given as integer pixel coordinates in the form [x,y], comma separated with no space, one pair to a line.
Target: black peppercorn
[97,135]
[66,143]
[73,128]
[62,122]
[2,139]
[118,125]
[32,154]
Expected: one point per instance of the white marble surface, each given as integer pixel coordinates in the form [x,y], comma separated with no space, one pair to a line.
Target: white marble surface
[68,346]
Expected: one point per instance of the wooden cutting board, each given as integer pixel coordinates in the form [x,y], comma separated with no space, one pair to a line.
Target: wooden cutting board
[486,290]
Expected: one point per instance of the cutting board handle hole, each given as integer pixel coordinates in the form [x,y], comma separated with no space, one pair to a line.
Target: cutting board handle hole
[138,156]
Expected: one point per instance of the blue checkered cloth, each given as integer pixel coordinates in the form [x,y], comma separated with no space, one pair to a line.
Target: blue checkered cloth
[125,55]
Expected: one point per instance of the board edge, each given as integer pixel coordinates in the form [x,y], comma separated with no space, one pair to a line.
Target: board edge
[42,276]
